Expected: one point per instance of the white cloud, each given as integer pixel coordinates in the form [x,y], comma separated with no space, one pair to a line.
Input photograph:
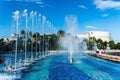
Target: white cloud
[91,27]
[105,15]
[39,2]
[107,4]
[82,6]
[36,1]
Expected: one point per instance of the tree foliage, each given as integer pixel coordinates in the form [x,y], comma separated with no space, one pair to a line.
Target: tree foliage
[48,42]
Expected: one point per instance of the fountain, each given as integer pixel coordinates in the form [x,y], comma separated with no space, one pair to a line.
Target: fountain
[50,31]
[43,25]
[71,59]
[16,68]
[84,46]
[35,14]
[39,21]
[95,46]
[32,19]
[56,67]
[23,59]
[108,47]
[16,17]
[9,66]
[69,41]
[26,21]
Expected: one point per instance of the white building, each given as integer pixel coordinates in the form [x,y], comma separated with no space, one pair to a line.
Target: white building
[105,36]
[82,36]
[13,36]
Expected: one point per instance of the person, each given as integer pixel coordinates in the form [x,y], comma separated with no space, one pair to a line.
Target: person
[102,51]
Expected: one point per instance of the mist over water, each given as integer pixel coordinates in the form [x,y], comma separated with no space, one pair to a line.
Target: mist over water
[71,23]
[69,41]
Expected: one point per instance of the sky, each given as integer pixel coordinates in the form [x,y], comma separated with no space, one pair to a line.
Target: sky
[90,15]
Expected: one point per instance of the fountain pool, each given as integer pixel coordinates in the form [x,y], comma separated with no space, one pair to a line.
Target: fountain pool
[84,67]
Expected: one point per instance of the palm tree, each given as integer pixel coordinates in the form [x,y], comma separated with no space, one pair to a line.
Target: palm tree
[91,43]
[94,39]
[99,43]
[105,44]
[118,45]
[22,33]
[60,33]
[22,37]
[112,44]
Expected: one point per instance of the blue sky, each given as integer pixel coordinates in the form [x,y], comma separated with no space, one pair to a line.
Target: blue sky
[102,15]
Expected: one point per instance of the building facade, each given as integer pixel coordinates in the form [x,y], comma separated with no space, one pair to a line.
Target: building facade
[13,36]
[105,36]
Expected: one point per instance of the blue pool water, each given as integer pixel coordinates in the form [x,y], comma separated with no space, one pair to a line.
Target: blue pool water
[84,67]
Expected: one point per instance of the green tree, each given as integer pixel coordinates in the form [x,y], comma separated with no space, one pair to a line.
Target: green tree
[60,34]
[118,45]
[99,43]
[22,33]
[112,44]
[90,43]
[105,44]
[53,42]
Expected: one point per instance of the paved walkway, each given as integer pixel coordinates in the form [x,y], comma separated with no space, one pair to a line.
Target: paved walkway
[107,57]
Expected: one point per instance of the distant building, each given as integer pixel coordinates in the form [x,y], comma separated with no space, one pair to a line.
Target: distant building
[82,36]
[48,33]
[105,36]
[13,36]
